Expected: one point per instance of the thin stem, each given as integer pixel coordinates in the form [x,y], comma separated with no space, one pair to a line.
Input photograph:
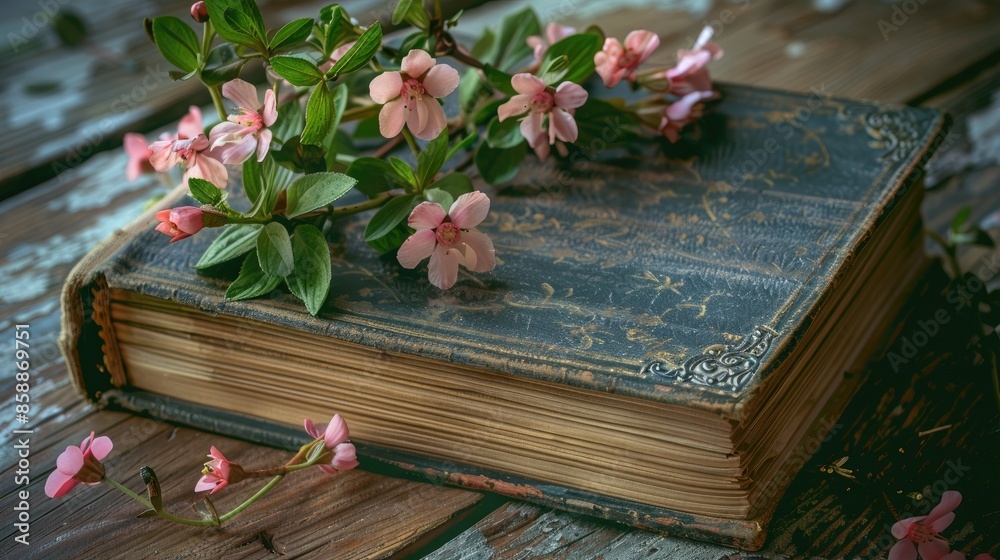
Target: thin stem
[949,251]
[161,513]
[217,100]
[248,220]
[274,482]
[208,33]
[361,206]
[412,142]
[437,10]
[460,54]
[360,113]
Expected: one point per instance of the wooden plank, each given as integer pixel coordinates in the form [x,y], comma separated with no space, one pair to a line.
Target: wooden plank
[353,514]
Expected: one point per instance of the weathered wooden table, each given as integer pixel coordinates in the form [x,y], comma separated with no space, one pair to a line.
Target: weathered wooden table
[62,106]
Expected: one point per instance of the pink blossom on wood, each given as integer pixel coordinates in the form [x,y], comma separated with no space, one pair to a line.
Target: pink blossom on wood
[78,464]
[410,97]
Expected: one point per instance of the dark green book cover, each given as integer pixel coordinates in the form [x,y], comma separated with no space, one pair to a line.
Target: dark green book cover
[683,275]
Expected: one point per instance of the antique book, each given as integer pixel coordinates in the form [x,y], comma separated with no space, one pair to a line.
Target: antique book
[667,332]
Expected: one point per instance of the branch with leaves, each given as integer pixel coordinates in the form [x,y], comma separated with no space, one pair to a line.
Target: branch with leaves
[523,87]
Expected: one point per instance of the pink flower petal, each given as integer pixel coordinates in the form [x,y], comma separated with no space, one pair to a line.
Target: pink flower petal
[209,169]
[441,80]
[135,145]
[391,118]
[263,143]
[59,484]
[416,116]
[336,432]
[704,37]
[240,151]
[556,32]
[469,210]
[427,215]
[527,84]
[385,87]
[483,247]
[242,93]
[101,447]
[903,550]
[514,107]
[345,457]
[206,483]
[942,523]
[416,248]
[327,469]
[901,528]
[562,126]
[223,132]
[416,63]
[190,125]
[949,501]
[570,96]
[436,119]
[933,550]
[214,453]
[163,159]
[270,112]
[442,270]
[70,461]
[643,43]
[311,428]
[531,128]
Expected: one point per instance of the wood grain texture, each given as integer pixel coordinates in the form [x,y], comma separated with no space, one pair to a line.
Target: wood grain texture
[353,514]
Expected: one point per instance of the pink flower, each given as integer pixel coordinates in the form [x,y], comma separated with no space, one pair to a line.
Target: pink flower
[247,131]
[189,148]
[335,436]
[616,61]
[449,239]
[681,113]
[218,473]
[409,96]
[922,534]
[138,153]
[199,12]
[691,72]
[554,33]
[180,223]
[78,464]
[536,100]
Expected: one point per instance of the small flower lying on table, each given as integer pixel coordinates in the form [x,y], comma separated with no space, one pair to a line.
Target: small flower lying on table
[330,450]
[519,90]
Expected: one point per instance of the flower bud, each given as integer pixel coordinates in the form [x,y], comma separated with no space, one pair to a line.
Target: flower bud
[199,12]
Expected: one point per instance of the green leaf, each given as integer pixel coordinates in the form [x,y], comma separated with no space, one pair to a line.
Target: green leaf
[358,56]
[374,176]
[465,143]
[599,119]
[554,70]
[506,134]
[289,123]
[455,183]
[499,79]
[222,65]
[961,217]
[412,12]
[274,250]
[439,196]
[299,69]
[403,171]
[250,19]
[392,240]
[316,190]
[294,32]
[388,216]
[579,50]
[320,110]
[234,241]
[497,165]
[310,279]
[432,157]
[205,192]
[177,42]
[511,46]
[339,29]
[252,281]
[412,41]
[254,181]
